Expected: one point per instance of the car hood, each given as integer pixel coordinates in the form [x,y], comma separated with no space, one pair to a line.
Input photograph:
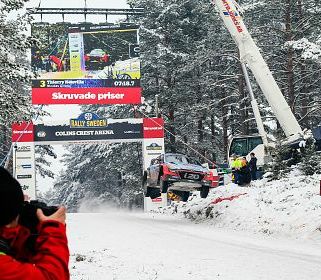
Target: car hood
[96,55]
[183,166]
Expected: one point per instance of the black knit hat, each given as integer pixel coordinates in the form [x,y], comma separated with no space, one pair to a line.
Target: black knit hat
[11,198]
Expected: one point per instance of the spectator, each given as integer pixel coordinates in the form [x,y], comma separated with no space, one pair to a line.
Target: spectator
[236,166]
[50,260]
[244,173]
[252,165]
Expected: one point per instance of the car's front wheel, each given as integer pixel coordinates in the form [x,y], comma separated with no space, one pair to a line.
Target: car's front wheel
[204,191]
[163,185]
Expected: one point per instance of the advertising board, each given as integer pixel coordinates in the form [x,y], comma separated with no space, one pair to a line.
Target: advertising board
[86,64]
[87,128]
[24,158]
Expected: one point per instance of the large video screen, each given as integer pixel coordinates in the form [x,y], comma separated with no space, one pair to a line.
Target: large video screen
[86,64]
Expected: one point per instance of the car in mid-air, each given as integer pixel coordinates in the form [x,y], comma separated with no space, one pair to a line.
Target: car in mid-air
[97,59]
[178,173]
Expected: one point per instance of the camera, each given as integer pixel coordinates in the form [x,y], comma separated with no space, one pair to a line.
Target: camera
[28,218]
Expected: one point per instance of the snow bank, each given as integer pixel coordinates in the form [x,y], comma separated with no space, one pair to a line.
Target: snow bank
[288,207]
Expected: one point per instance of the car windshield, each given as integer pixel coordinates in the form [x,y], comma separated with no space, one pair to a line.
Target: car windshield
[180,159]
[97,52]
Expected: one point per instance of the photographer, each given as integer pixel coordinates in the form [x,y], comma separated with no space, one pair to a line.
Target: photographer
[51,255]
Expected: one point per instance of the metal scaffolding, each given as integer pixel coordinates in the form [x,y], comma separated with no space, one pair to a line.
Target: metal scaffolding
[86,11]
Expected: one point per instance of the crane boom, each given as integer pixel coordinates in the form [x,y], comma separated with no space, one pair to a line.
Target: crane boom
[250,54]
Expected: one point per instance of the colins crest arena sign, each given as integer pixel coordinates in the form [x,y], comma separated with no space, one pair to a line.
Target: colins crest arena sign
[87,128]
[88,120]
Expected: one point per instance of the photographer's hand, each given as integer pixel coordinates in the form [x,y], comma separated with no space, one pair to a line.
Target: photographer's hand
[59,216]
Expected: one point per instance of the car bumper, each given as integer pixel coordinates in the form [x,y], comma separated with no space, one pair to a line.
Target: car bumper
[190,184]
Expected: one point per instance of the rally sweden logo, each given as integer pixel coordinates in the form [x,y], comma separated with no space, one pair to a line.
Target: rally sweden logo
[88,120]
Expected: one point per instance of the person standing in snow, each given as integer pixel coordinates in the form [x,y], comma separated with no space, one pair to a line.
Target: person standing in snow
[244,173]
[252,165]
[236,166]
[51,257]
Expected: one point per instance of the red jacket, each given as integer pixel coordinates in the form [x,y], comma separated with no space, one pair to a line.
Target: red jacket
[49,263]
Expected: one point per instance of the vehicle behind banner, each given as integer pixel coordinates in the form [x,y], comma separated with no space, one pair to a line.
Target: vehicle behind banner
[86,64]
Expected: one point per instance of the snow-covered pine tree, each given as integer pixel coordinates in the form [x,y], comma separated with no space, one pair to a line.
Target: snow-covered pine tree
[311,158]
[15,77]
[110,173]
[42,163]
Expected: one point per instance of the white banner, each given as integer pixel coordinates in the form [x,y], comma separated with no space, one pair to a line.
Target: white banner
[24,167]
[152,148]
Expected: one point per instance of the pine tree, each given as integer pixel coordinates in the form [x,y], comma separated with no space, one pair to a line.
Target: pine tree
[15,77]
[311,159]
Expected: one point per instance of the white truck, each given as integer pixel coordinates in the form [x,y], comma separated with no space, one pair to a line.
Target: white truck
[252,58]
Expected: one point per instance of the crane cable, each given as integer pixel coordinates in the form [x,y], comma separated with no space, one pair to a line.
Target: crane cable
[179,138]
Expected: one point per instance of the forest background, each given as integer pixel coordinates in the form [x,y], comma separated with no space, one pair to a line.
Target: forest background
[191,62]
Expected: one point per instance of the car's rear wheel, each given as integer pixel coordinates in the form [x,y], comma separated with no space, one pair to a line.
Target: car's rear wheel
[149,191]
[153,193]
[146,188]
[204,191]
[163,185]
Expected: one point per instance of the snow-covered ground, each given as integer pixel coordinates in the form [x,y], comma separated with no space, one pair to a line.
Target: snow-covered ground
[140,246]
[271,232]
[290,207]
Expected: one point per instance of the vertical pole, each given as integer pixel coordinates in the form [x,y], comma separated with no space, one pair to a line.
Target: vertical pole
[137,36]
[255,107]
[156,105]
[320,187]
[14,169]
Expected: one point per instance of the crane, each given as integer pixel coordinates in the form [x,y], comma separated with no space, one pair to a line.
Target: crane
[251,57]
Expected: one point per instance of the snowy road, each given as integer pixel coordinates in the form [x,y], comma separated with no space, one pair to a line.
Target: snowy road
[144,246]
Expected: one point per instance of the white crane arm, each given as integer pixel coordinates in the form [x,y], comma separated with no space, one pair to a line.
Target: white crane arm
[250,54]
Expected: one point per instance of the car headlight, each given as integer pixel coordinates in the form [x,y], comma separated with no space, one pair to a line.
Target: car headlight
[172,170]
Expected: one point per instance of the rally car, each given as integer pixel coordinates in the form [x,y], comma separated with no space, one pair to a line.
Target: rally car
[97,58]
[178,173]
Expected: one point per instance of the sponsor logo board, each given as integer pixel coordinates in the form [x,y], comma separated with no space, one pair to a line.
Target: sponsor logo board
[27,176]
[82,129]
[154,147]
[22,132]
[88,120]
[23,149]
[23,166]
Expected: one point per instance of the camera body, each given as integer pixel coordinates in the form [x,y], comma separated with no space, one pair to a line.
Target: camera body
[28,218]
